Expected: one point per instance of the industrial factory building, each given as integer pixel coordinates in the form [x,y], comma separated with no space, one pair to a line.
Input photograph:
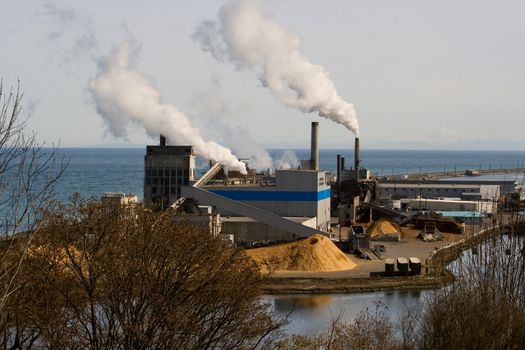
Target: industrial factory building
[445,204]
[166,170]
[436,189]
[294,204]
[296,193]
[355,191]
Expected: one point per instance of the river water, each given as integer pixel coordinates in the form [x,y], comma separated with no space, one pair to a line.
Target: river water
[314,313]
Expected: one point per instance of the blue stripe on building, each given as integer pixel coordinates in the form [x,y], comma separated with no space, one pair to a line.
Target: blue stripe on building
[291,196]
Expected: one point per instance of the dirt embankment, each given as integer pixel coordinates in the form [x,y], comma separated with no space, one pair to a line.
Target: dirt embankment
[313,254]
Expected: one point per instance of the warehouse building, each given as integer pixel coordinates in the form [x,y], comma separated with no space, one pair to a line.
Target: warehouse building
[435,189]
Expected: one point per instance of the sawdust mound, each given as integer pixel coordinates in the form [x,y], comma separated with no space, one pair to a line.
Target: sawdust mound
[315,254]
[383,227]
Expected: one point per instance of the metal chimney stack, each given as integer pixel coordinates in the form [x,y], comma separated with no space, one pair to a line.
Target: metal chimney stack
[314,147]
[162,140]
[356,154]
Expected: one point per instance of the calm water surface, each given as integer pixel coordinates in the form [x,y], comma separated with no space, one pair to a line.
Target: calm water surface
[314,313]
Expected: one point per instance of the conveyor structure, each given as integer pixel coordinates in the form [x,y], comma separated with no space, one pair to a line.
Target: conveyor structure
[204,197]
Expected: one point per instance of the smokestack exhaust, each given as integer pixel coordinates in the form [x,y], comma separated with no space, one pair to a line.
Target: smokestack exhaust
[162,140]
[356,154]
[314,147]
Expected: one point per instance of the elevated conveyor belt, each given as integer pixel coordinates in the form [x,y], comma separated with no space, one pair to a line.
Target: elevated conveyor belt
[209,175]
[221,202]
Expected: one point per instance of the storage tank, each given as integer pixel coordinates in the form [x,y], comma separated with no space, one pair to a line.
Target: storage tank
[402,266]
[415,265]
[389,267]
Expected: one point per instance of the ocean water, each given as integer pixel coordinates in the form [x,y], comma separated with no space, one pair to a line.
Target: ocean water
[92,171]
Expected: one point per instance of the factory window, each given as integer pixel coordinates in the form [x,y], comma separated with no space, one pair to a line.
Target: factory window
[155,181]
[154,190]
[167,173]
[148,172]
[173,172]
[173,190]
[185,173]
[148,181]
[154,172]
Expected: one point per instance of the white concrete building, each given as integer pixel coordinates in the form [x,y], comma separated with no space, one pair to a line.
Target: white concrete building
[463,190]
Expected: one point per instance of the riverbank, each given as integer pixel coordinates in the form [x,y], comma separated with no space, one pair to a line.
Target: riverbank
[274,285]
[436,274]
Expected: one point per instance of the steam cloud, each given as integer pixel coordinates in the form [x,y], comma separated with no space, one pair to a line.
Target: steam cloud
[215,111]
[245,38]
[72,31]
[286,160]
[122,96]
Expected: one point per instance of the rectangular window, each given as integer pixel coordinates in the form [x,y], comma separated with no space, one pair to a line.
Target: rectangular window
[154,190]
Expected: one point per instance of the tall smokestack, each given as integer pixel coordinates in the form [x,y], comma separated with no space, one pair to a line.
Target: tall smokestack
[338,171]
[356,154]
[314,147]
[162,140]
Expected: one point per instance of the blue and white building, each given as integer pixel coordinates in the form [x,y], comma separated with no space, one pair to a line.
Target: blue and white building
[296,193]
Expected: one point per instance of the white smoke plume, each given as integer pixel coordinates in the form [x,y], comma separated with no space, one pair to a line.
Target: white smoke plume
[247,39]
[122,95]
[222,116]
[286,160]
[71,31]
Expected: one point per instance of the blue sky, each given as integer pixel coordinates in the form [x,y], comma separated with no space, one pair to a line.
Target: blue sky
[421,74]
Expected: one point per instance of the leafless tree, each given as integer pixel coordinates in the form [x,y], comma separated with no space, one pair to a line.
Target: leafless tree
[485,306]
[130,278]
[28,173]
